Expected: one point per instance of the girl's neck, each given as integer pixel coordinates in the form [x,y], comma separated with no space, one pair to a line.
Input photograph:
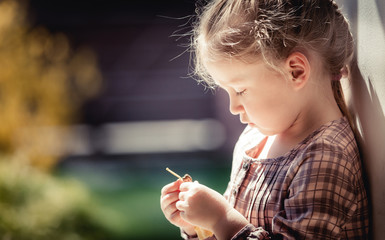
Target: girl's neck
[315,113]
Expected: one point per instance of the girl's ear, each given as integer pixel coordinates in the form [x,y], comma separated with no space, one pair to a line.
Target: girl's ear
[298,67]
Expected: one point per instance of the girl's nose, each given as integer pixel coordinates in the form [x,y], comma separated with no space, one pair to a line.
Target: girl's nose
[235,107]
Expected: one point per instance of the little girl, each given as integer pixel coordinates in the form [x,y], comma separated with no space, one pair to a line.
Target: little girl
[296,170]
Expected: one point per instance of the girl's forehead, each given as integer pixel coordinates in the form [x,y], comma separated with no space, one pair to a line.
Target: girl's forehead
[228,66]
[233,72]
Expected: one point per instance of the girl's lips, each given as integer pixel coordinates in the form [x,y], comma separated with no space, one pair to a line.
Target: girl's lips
[243,121]
[248,123]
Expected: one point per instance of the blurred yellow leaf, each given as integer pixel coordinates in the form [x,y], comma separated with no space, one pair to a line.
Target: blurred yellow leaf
[42,84]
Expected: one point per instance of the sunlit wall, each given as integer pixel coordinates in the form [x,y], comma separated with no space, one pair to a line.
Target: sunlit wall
[368,97]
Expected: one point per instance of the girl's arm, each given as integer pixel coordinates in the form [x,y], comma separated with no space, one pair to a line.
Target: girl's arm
[204,207]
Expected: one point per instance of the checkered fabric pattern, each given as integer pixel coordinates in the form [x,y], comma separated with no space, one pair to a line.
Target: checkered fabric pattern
[315,191]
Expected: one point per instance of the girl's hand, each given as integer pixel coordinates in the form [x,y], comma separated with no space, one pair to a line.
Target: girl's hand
[206,208]
[169,198]
[201,205]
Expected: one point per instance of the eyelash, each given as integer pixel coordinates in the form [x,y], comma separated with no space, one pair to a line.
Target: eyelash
[241,92]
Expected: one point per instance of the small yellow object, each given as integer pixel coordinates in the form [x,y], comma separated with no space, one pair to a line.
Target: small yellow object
[173,173]
[201,232]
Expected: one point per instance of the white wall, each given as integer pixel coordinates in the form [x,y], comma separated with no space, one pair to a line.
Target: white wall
[368,97]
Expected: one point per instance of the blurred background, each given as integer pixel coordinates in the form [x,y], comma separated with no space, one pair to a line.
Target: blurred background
[96,101]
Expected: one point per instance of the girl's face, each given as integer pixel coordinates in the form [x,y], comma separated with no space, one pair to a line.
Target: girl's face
[262,98]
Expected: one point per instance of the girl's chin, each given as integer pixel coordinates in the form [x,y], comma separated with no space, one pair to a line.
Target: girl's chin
[265,132]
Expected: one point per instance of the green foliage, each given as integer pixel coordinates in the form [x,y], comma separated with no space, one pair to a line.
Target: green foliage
[36,206]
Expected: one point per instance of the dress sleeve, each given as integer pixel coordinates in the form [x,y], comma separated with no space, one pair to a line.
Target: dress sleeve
[250,232]
[321,198]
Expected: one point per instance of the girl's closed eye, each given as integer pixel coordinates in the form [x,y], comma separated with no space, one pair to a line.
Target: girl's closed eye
[240,93]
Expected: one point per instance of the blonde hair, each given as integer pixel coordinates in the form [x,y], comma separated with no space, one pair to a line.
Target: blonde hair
[272,30]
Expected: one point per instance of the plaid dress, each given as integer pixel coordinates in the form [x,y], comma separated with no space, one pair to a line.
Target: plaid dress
[315,191]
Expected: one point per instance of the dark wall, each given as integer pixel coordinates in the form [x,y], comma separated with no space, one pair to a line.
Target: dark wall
[143,57]
[144,66]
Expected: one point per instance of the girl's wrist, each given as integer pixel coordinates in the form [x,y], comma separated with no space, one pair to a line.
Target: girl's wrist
[229,225]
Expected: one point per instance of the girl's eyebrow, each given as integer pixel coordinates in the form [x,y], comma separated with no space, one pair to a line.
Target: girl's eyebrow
[230,84]
[230,81]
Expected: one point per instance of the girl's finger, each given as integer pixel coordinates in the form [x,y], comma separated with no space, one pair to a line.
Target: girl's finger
[170,210]
[182,196]
[185,186]
[173,217]
[168,199]
[183,216]
[181,205]
[171,187]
